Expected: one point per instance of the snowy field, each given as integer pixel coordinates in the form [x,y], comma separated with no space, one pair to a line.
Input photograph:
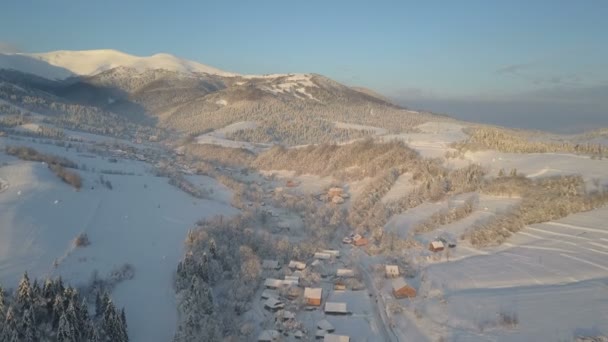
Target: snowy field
[142,221]
[535,276]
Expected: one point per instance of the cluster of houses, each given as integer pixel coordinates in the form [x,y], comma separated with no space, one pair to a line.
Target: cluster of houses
[278,293]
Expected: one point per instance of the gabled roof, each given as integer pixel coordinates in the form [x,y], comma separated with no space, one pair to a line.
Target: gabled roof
[399,283]
[270,264]
[344,272]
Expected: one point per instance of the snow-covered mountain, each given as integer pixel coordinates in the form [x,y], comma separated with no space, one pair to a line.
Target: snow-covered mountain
[63,64]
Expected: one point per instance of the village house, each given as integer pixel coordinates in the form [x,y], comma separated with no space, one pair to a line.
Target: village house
[313,296]
[322,256]
[334,308]
[339,286]
[272,283]
[345,273]
[360,242]
[291,281]
[273,304]
[436,246]
[267,293]
[402,290]
[391,271]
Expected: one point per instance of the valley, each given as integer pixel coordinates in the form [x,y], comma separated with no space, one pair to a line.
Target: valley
[219,206]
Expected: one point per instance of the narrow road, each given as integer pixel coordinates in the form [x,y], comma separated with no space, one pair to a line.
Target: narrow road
[377,300]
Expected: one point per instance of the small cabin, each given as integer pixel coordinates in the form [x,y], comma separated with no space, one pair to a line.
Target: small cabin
[402,290]
[273,304]
[360,242]
[333,252]
[391,271]
[436,246]
[313,296]
[322,256]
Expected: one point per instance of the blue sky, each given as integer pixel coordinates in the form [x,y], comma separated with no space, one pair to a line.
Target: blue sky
[422,53]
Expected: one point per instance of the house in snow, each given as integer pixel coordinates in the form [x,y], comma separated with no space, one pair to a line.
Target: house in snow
[273,304]
[267,293]
[335,338]
[402,290]
[322,256]
[436,246]
[391,271]
[269,336]
[313,296]
[334,253]
[345,273]
[272,283]
[297,265]
[270,265]
[325,326]
[291,281]
[334,308]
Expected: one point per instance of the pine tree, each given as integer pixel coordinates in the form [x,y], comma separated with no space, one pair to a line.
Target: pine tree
[65,331]
[98,305]
[213,248]
[2,305]
[28,326]
[24,292]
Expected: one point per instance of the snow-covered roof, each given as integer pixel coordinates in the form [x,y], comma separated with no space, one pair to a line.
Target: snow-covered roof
[269,335]
[334,307]
[321,255]
[331,252]
[313,292]
[273,283]
[325,325]
[267,293]
[437,244]
[399,283]
[344,272]
[336,338]
[270,264]
[273,303]
[297,265]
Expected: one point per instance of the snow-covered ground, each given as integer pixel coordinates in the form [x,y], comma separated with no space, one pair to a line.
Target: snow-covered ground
[434,138]
[552,276]
[376,130]
[142,221]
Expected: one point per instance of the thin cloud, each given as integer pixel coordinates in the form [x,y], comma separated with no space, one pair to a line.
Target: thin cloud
[514,68]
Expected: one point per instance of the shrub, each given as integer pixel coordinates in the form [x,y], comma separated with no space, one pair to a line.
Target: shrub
[82,240]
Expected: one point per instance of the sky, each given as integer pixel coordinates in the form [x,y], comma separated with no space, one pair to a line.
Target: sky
[534,64]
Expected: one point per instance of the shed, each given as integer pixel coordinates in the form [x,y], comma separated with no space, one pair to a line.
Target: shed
[313,296]
[391,271]
[344,272]
[269,336]
[436,246]
[335,338]
[339,286]
[325,325]
[335,308]
[270,265]
[297,265]
[402,290]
